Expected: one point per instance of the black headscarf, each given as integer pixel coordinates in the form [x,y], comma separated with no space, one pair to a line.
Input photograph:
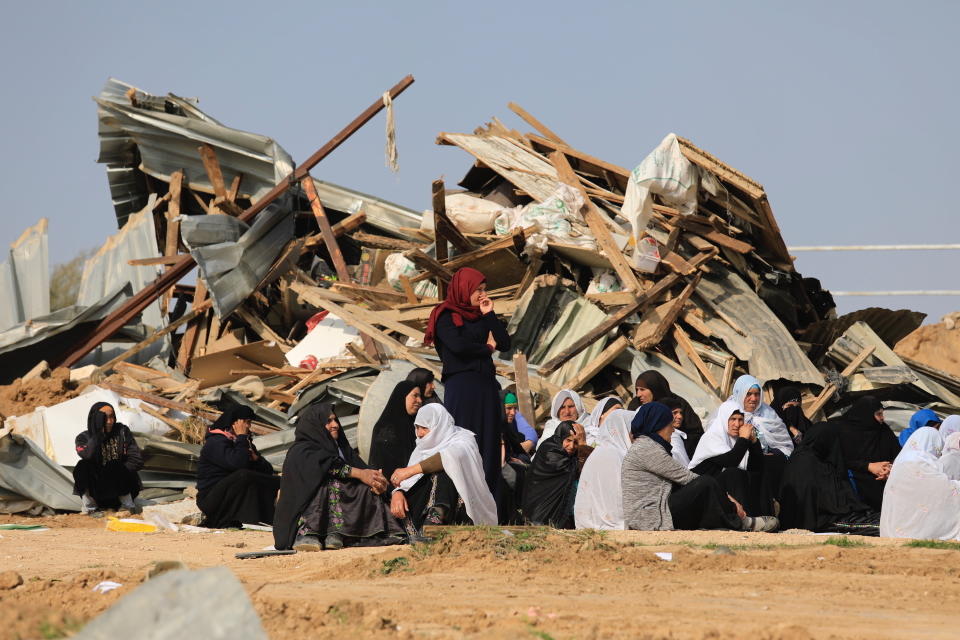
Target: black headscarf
[548,493]
[233,413]
[791,416]
[393,438]
[659,387]
[649,419]
[864,440]
[311,455]
[108,447]
[816,492]
[422,377]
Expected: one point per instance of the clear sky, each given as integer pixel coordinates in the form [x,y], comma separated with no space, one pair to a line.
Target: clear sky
[845,111]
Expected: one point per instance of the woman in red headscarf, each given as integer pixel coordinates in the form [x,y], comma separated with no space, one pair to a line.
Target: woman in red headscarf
[466,332]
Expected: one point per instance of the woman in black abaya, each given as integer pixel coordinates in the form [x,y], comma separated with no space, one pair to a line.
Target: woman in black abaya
[652,386]
[551,480]
[235,485]
[816,493]
[327,492]
[426,381]
[869,448]
[393,439]
[106,475]
[786,403]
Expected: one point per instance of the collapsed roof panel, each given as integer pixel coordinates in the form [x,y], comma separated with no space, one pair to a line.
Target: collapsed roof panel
[25,278]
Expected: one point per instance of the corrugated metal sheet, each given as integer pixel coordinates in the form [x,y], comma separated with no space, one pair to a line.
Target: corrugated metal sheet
[25,278]
[891,326]
[768,348]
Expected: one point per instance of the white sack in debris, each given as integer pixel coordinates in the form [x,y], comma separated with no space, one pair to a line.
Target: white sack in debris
[397,265]
[327,340]
[604,281]
[471,214]
[54,429]
[558,218]
[667,173]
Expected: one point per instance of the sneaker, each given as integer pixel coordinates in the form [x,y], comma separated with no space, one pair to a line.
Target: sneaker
[332,542]
[761,523]
[93,513]
[307,542]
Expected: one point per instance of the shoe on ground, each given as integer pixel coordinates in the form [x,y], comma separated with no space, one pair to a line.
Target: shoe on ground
[332,542]
[761,523]
[93,513]
[418,538]
[308,542]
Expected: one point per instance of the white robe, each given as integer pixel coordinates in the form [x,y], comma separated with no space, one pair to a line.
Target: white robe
[461,461]
[592,424]
[950,460]
[919,500]
[599,502]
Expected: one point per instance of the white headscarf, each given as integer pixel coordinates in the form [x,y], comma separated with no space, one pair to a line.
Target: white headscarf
[461,461]
[716,441]
[950,460]
[950,424]
[919,500]
[592,425]
[555,421]
[599,503]
[773,432]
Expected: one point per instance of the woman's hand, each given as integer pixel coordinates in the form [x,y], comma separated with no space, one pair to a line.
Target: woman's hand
[746,431]
[741,512]
[241,427]
[399,475]
[486,305]
[580,434]
[398,505]
[373,478]
[881,470]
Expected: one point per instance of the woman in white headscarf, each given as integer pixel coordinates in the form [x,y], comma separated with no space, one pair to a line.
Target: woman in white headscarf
[566,405]
[950,460]
[919,500]
[600,412]
[950,424]
[445,470]
[599,503]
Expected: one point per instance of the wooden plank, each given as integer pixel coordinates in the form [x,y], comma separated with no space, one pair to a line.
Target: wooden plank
[143,298]
[189,340]
[375,241]
[683,341]
[722,170]
[212,166]
[594,218]
[566,149]
[171,247]
[146,262]
[408,290]
[427,263]
[608,325]
[261,328]
[592,368]
[353,289]
[536,261]
[676,263]
[234,190]
[522,380]
[383,321]
[726,387]
[656,322]
[443,225]
[305,292]
[533,122]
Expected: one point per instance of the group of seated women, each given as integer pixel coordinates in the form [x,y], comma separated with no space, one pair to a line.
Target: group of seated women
[755,467]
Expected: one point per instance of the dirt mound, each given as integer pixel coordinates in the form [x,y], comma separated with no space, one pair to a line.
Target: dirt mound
[19,397]
[935,345]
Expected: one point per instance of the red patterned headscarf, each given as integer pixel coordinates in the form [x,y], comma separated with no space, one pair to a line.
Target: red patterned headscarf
[464,282]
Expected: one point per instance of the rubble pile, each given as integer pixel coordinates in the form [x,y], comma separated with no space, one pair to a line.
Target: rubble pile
[308,291]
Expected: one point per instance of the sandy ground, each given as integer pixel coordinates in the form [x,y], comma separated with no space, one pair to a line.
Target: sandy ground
[535,583]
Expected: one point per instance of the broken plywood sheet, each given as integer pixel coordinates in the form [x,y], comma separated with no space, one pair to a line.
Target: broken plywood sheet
[214,369]
[523,168]
[768,348]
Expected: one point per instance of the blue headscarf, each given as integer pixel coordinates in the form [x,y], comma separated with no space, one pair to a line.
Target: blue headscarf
[649,419]
[922,418]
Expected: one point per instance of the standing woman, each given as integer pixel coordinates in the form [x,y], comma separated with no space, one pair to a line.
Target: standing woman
[393,439]
[235,485]
[106,475]
[466,333]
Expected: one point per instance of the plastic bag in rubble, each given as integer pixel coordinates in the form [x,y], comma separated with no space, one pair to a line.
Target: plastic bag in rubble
[396,265]
[604,281]
[471,214]
[667,173]
[558,218]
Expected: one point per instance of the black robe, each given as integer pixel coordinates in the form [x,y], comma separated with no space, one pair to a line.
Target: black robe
[108,463]
[791,416]
[422,377]
[550,490]
[816,493]
[313,453]
[393,438]
[864,440]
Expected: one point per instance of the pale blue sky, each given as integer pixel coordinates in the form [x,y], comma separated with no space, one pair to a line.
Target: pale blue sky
[845,111]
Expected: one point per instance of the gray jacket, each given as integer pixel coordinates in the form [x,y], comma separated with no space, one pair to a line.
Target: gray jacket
[646,477]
